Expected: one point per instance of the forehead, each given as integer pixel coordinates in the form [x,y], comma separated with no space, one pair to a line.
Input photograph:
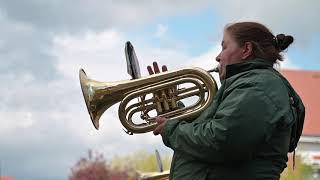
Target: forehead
[227,38]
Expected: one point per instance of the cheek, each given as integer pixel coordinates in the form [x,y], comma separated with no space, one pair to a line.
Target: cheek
[225,56]
[230,56]
[237,54]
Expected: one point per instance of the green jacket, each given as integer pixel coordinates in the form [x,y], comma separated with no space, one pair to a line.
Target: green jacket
[243,134]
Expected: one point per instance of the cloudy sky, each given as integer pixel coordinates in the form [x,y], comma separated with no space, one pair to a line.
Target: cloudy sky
[44,125]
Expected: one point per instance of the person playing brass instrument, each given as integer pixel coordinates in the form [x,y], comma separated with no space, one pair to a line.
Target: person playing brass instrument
[255,119]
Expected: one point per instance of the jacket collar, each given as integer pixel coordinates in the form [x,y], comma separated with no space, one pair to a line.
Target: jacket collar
[257,63]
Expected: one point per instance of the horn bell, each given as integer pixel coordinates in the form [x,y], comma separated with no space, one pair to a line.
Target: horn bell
[96,97]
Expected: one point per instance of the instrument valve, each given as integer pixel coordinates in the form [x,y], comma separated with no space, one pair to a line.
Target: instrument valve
[144,116]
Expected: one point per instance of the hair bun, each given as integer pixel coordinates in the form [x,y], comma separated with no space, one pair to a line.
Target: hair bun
[283,41]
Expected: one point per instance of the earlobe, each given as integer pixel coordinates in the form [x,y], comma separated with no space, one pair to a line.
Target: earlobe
[247,50]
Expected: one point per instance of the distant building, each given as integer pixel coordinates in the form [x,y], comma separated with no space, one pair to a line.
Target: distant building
[307,84]
[6,178]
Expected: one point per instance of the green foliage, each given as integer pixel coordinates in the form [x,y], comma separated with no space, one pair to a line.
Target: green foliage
[141,161]
[301,171]
[95,167]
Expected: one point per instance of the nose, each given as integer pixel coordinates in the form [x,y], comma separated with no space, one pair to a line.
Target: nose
[218,58]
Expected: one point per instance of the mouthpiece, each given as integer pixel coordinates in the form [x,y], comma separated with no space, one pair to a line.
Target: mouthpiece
[216,69]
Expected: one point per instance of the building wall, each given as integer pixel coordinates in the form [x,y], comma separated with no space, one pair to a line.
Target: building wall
[6,178]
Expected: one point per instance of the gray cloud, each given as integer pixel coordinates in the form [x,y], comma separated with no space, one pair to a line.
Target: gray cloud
[29,26]
[27,67]
[293,17]
[24,50]
[92,15]
[81,15]
[39,153]
[54,142]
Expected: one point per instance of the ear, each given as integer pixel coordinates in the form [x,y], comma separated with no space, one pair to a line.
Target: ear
[247,50]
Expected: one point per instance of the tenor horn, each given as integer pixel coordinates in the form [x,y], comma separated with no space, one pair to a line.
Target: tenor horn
[143,95]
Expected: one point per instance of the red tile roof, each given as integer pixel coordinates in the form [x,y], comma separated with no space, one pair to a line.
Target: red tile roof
[6,178]
[307,85]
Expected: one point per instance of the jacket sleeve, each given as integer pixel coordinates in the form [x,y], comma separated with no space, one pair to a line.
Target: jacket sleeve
[232,133]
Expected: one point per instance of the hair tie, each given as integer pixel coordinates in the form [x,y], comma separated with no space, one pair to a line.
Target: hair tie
[275,42]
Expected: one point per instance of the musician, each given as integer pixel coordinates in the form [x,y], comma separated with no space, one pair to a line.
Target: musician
[247,130]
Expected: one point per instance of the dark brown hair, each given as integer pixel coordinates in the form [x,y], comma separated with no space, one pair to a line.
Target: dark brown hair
[265,44]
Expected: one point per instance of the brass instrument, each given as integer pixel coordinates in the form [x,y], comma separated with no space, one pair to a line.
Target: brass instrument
[99,96]
[162,88]
[155,176]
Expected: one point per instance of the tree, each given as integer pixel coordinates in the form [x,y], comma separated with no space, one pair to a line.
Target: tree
[95,167]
